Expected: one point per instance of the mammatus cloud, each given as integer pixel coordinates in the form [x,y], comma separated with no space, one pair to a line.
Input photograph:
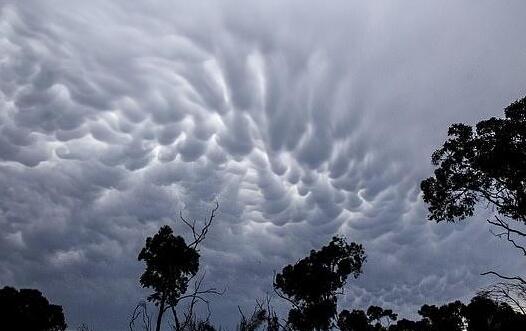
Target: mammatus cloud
[302,120]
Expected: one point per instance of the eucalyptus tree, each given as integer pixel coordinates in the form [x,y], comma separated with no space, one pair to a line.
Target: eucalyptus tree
[171,265]
[485,165]
[312,284]
[28,309]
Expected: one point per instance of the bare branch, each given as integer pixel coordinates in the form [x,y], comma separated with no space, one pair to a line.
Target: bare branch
[511,293]
[197,295]
[517,278]
[500,223]
[507,233]
[141,311]
[199,235]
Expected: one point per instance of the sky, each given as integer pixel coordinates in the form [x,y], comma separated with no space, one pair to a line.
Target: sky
[303,119]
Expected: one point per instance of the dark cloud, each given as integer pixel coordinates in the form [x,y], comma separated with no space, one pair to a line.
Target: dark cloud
[302,120]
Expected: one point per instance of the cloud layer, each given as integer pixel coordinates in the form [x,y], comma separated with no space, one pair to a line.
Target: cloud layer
[302,120]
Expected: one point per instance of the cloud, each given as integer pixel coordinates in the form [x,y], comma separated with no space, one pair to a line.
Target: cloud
[302,120]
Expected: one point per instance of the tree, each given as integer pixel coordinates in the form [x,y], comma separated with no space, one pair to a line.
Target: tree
[447,317]
[356,320]
[379,315]
[484,314]
[407,325]
[485,164]
[511,293]
[263,317]
[171,264]
[481,314]
[311,285]
[141,316]
[359,320]
[29,310]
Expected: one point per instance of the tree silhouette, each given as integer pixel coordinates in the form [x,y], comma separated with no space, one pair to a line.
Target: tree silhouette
[484,314]
[378,315]
[485,164]
[407,325]
[141,316]
[447,317]
[481,314]
[311,285]
[171,264]
[356,320]
[263,317]
[29,310]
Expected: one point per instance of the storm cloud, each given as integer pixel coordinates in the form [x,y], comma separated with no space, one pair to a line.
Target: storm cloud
[302,119]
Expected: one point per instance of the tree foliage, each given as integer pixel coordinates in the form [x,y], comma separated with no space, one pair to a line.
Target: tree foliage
[311,285]
[485,163]
[353,321]
[359,320]
[263,317]
[170,264]
[446,317]
[484,314]
[379,315]
[481,314]
[29,310]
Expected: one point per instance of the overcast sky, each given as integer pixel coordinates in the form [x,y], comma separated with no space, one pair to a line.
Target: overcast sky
[303,119]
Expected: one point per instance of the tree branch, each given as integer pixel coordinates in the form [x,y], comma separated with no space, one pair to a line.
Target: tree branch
[517,278]
[199,235]
[508,231]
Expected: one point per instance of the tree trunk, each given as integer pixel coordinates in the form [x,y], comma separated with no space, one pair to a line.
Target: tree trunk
[177,325]
[160,315]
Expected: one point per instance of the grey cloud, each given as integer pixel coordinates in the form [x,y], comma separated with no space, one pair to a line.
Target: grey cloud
[302,120]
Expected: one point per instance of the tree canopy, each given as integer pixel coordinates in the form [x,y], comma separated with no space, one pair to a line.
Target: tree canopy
[170,263]
[312,283]
[484,163]
[29,310]
[481,314]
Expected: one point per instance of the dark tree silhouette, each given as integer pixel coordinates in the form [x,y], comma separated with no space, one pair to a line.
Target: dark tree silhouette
[447,317]
[379,316]
[484,314]
[356,320]
[263,317]
[171,264]
[511,293]
[29,310]
[311,285]
[481,314]
[372,320]
[140,316]
[485,164]
[407,325]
